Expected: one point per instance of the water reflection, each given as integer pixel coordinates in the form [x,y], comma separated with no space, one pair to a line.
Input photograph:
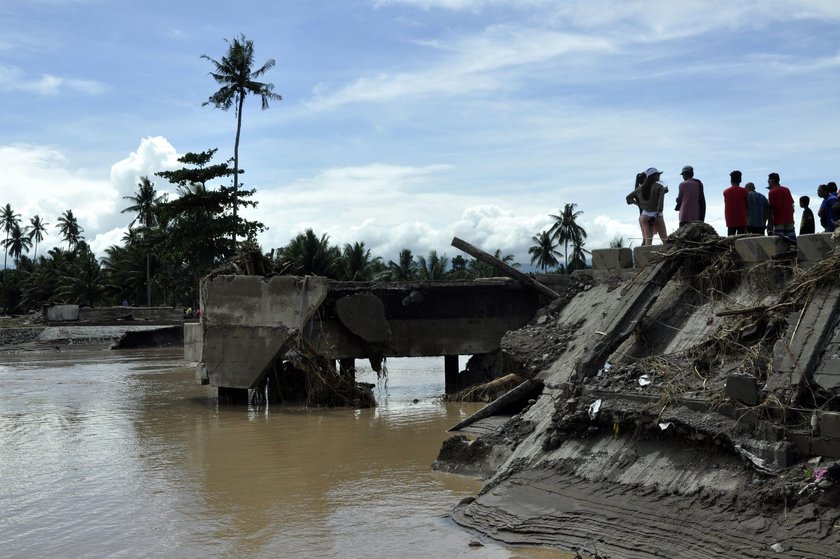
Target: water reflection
[120,454]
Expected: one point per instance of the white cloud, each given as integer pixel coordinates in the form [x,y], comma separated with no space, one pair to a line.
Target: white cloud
[471,64]
[13,79]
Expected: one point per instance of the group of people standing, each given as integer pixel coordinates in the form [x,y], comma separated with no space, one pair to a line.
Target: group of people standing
[745,210]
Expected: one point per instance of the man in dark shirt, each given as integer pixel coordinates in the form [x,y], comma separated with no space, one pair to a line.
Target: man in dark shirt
[824,213]
[806,222]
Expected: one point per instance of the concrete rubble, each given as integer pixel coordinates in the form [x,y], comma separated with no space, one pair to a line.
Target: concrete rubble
[690,408]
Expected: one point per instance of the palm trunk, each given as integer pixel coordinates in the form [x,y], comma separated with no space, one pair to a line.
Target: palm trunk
[240,102]
[148,281]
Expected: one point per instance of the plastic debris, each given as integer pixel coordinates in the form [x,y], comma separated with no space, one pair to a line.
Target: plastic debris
[777,547]
[644,380]
[664,426]
[593,408]
[820,473]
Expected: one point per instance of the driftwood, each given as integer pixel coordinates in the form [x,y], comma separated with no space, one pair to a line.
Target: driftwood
[509,271]
[528,389]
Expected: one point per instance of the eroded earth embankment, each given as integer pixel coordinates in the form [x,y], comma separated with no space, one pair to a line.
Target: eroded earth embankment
[689,410]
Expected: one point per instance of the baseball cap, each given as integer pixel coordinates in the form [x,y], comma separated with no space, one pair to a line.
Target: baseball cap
[652,171]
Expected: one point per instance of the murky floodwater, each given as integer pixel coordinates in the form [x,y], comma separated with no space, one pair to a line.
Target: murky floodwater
[120,454]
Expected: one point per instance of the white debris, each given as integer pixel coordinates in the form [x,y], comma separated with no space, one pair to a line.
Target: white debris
[644,380]
[593,408]
[777,547]
[664,426]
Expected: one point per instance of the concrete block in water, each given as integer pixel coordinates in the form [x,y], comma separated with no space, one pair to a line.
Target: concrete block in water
[813,248]
[612,258]
[193,341]
[642,255]
[743,388]
[754,250]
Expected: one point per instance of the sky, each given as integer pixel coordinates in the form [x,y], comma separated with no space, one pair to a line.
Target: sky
[405,123]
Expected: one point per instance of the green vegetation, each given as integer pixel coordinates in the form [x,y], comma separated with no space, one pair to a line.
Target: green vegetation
[170,244]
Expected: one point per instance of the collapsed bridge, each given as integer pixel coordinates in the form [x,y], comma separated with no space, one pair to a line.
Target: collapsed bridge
[249,323]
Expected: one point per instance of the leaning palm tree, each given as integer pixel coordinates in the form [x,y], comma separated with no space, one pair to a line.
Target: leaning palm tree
[144,204]
[566,230]
[69,228]
[36,231]
[8,219]
[544,252]
[234,73]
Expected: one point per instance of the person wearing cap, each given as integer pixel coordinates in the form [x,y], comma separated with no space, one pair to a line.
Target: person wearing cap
[735,205]
[757,210]
[829,200]
[691,202]
[806,222]
[781,208]
[651,199]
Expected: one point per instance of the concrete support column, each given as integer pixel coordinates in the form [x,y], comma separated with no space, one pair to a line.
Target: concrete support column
[233,396]
[450,371]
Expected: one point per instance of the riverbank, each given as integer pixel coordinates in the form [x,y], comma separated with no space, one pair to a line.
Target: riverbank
[689,410]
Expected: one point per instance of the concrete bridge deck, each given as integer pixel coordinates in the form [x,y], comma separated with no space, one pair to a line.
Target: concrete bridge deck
[247,322]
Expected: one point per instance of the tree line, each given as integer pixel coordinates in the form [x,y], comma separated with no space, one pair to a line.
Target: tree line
[171,244]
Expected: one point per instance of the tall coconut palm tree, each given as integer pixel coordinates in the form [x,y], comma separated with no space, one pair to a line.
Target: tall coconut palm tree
[234,72]
[544,251]
[36,230]
[144,204]
[434,268]
[357,264]
[566,229]
[306,254]
[578,256]
[8,219]
[405,269]
[70,229]
[18,242]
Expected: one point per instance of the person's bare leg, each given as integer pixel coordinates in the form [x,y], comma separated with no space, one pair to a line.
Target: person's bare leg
[661,230]
[647,230]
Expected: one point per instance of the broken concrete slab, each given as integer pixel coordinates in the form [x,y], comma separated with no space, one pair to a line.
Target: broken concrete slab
[612,258]
[248,322]
[830,425]
[364,315]
[742,388]
[797,355]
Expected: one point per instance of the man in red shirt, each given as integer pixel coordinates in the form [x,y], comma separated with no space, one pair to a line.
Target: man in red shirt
[735,205]
[781,208]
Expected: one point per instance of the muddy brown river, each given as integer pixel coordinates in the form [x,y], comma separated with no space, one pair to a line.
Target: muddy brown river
[120,454]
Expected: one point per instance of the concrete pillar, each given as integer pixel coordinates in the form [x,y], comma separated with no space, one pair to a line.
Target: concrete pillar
[450,372]
[347,367]
[233,396]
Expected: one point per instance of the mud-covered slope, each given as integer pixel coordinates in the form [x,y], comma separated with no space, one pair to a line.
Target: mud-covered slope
[681,415]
